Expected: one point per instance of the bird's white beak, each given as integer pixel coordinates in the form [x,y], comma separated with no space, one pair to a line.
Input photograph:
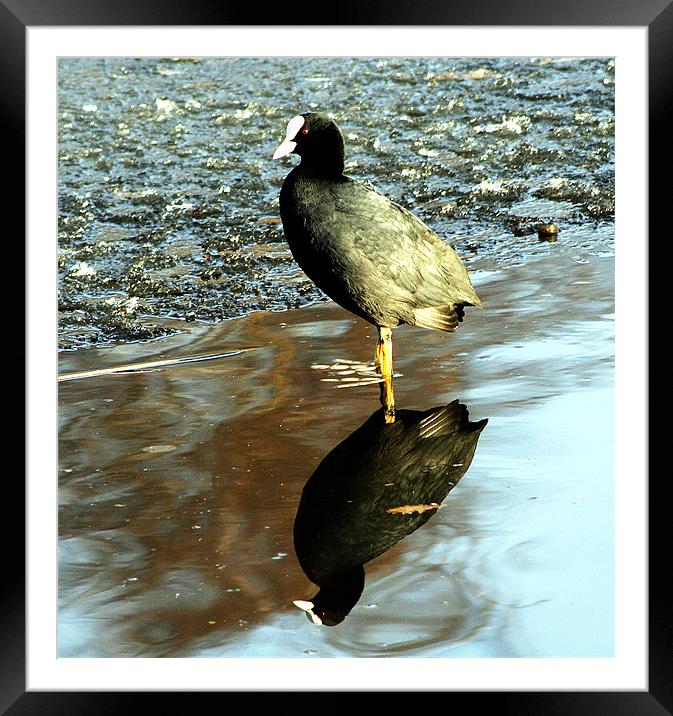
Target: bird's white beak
[289,145]
[308,608]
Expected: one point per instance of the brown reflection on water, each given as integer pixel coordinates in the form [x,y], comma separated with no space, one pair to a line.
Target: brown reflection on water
[179,486]
[178,489]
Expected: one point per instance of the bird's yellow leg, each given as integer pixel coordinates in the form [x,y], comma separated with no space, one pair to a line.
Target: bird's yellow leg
[379,354]
[384,365]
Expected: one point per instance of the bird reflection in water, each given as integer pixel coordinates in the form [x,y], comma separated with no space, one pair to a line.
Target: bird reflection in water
[380,484]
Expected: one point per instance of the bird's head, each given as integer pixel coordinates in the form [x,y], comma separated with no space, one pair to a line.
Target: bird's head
[317,139]
[320,614]
[337,596]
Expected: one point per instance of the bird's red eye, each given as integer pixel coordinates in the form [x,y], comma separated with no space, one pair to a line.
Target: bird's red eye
[304,131]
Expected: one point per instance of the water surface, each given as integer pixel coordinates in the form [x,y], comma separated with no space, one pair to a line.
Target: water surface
[180,485]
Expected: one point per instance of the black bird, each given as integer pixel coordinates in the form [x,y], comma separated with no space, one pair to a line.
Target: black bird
[370,255]
[374,488]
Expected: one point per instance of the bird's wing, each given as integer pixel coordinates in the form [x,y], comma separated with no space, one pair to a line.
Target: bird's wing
[401,248]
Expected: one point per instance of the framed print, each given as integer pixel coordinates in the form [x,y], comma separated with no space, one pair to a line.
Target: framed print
[227,226]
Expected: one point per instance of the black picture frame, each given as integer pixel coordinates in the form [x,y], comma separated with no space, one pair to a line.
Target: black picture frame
[17,15]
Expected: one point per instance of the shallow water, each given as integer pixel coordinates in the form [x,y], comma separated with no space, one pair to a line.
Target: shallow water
[168,197]
[179,485]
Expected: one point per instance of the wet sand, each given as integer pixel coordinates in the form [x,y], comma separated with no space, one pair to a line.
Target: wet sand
[179,485]
[168,196]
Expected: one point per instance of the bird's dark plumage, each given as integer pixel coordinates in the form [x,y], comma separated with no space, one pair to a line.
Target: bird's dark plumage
[377,486]
[370,255]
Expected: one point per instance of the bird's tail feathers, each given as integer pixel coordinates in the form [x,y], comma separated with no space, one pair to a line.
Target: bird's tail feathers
[438,318]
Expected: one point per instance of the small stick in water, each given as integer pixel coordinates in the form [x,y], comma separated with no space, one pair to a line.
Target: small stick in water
[138,367]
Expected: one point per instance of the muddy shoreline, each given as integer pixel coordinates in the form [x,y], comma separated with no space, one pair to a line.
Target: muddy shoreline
[168,195]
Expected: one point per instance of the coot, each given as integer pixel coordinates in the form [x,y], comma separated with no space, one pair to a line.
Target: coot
[370,255]
[376,487]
